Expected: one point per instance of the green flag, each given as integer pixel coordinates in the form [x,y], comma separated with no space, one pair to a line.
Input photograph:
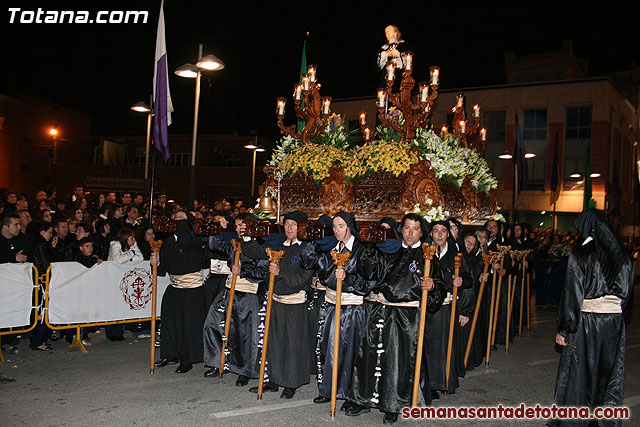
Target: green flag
[588,200]
[303,70]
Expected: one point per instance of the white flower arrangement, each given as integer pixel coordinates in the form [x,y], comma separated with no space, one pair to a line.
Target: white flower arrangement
[452,162]
[431,214]
[285,146]
[499,217]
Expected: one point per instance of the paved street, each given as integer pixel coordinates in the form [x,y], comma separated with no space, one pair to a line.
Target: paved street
[111,386]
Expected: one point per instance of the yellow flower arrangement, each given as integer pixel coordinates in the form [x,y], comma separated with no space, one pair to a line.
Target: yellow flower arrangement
[313,159]
[392,157]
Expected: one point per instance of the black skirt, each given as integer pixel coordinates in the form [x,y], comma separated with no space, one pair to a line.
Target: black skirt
[183,314]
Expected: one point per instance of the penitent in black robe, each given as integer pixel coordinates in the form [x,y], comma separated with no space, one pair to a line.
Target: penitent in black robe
[437,327]
[247,318]
[384,367]
[592,374]
[478,345]
[288,354]
[183,310]
[351,317]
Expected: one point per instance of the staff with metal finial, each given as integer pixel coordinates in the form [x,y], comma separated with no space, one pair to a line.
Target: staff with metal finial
[232,291]
[487,260]
[341,260]
[155,250]
[274,257]
[452,320]
[428,251]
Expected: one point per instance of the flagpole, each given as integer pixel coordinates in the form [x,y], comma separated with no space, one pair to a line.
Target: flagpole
[153,177]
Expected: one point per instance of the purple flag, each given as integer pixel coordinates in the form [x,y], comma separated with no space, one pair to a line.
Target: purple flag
[162,104]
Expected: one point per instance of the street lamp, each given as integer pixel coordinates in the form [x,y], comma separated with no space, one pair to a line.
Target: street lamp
[141,107]
[206,63]
[255,148]
[514,191]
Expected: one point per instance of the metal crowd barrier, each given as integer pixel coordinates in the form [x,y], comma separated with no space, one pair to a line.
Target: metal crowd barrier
[38,280]
[77,342]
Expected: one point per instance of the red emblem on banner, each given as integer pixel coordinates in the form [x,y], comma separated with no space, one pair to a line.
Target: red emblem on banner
[136,288]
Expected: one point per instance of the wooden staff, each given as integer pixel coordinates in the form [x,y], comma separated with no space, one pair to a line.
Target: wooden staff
[275,257]
[232,291]
[340,260]
[155,248]
[509,300]
[486,259]
[452,321]
[428,251]
[524,257]
[528,302]
[495,256]
[503,251]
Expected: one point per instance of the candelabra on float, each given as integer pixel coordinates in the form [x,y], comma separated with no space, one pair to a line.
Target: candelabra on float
[315,112]
[415,115]
[471,136]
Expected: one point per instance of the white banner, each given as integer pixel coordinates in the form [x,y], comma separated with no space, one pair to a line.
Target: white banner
[16,294]
[102,293]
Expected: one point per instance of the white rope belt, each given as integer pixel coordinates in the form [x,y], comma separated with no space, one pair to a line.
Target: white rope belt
[608,304]
[346,299]
[186,281]
[297,298]
[382,300]
[242,285]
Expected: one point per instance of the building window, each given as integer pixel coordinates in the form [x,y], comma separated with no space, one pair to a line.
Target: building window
[179,159]
[534,133]
[577,138]
[495,123]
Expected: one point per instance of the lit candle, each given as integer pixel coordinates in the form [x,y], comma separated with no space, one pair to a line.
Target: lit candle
[326,102]
[390,71]
[462,126]
[298,92]
[435,71]
[408,60]
[363,118]
[476,111]
[483,134]
[367,134]
[460,101]
[305,81]
[444,129]
[381,97]
[424,91]
[281,102]
[312,73]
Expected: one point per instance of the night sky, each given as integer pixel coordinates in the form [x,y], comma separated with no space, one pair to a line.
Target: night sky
[102,69]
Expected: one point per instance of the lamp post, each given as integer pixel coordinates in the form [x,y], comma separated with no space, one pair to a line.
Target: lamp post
[514,191]
[141,107]
[205,63]
[255,148]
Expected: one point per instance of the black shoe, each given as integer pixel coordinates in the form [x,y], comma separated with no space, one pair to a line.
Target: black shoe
[242,381]
[266,387]
[346,405]
[353,410]
[183,368]
[164,362]
[120,338]
[389,418]
[434,395]
[321,399]
[288,393]
[213,372]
